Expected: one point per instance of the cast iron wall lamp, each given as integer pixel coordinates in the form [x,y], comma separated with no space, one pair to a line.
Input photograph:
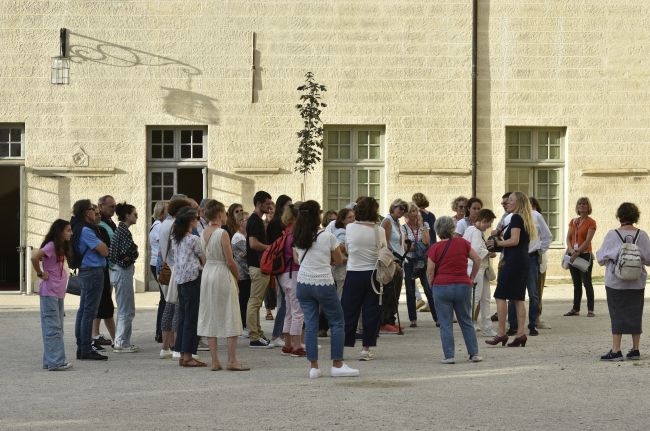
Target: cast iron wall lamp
[61,63]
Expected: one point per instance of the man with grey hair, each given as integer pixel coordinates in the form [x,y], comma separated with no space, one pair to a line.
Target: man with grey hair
[203,223]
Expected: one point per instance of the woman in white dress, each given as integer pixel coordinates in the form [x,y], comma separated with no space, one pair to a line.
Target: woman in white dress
[219,305]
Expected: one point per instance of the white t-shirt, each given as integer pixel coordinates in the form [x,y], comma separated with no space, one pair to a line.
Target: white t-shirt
[154,236]
[315,267]
[475,237]
[163,241]
[361,244]
[461,226]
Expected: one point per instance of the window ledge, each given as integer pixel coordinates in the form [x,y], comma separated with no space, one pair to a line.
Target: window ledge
[258,171]
[615,172]
[422,172]
[65,171]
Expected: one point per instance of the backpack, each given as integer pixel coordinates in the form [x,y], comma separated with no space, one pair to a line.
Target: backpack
[74,262]
[273,261]
[385,267]
[628,265]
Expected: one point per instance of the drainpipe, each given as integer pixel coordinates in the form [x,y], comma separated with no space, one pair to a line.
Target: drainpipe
[474,75]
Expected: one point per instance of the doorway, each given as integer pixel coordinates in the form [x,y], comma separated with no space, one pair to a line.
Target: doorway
[10,221]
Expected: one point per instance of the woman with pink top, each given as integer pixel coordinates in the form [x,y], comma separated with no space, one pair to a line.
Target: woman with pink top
[54,250]
[293,318]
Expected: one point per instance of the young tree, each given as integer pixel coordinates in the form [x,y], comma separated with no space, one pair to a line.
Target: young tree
[310,147]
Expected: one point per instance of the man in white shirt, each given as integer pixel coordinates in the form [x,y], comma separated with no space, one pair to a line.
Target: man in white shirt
[535,250]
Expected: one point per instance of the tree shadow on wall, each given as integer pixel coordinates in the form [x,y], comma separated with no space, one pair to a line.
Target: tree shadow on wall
[185,104]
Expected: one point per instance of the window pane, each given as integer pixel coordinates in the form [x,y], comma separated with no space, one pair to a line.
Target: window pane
[373,138]
[186,151]
[15,150]
[524,153]
[332,203]
[198,152]
[15,135]
[168,136]
[345,176]
[513,152]
[333,176]
[524,138]
[4,150]
[542,145]
[197,136]
[168,192]
[156,152]
[332,151]
[156,178]
[362,176]
[374,176]
[345,153]
[362,138]
[186,136]
[362,190]
[344,142]
[333,138]
[168,178]
[373,191]
[156,136]
[344,191]
[375,152]
[156,193]
[332,190]
[168,152]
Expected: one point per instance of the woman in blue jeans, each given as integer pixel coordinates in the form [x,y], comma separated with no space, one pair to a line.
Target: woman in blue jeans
[316,250]
[452,287]
[189,259]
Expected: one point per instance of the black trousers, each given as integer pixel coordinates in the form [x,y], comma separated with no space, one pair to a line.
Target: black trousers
[390,301]
[161,303]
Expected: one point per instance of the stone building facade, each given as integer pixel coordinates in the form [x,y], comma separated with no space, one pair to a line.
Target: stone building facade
[199,97]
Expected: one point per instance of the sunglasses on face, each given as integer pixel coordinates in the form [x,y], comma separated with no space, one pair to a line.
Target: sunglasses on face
[237,211]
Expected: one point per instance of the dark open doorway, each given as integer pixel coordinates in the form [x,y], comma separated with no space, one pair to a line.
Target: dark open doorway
[10,221]
[190,183]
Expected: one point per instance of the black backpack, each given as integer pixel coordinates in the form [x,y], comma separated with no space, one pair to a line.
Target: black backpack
[74,262]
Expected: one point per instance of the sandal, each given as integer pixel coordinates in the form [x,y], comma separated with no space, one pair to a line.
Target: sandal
[193,363]
[591,314]
[269,315]
[239,367]
[572,313]
[216,367]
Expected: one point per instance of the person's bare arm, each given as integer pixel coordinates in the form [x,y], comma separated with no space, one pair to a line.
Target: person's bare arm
[387,231]
[515,232]
[256,244]
[430,270]
[337,257]
[476,260]
[37,255]
[102,249]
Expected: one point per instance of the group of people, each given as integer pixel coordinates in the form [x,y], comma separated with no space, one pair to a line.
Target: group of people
[212,267]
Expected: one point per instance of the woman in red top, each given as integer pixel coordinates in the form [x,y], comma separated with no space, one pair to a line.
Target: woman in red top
[578,239]
[452,288]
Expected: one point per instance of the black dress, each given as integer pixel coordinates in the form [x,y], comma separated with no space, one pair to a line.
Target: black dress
[513,275]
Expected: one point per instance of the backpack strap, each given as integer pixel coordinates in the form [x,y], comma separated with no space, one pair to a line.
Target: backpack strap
[636,236]
[312,243]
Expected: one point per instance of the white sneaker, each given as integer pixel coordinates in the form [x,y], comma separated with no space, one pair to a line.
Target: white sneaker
[490,333]
[202,347]
[366,355]
[128,349]
[448,361]
[475,358]
[165,354]
[278,342]
[245,333]
[195,357]
[176,355]
[314,373]
[344,371]
[63,367]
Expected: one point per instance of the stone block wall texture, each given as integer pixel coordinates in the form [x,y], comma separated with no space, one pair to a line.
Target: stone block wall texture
[582,65]
[405,65]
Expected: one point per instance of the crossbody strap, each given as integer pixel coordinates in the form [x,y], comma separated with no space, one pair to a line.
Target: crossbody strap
[444,252]
[307,249]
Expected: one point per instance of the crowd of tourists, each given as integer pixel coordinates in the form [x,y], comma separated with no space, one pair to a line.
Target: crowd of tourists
[336,274]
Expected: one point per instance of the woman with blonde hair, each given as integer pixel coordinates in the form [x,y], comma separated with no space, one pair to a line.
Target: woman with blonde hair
[519,230]
[459,205]
[159,214]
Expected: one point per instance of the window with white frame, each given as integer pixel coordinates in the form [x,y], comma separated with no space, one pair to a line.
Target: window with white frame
[12,137]
[177,143]
[353,164]
[535,166]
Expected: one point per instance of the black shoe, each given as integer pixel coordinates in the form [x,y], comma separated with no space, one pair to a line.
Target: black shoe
[260,344]
[92,356]
[634,355]
[533,332]
[96,346]
[158,338]
[495,317]
[612,357]
[511,331]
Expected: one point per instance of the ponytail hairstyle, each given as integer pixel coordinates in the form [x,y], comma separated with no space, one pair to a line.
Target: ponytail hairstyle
[55,234]
[307,224]
[523,208]
[182,223]
[122,210]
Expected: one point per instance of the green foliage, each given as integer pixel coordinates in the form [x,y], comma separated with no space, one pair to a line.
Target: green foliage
[310,147]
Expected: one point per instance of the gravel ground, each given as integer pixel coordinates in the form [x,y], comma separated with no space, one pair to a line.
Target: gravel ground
[555,382]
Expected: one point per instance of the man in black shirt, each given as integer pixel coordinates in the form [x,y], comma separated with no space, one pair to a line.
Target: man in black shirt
[256,243]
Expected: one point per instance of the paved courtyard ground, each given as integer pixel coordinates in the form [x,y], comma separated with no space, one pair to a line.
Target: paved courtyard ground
[555,382]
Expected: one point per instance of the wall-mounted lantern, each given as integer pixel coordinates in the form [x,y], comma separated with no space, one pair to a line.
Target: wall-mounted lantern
[61,63]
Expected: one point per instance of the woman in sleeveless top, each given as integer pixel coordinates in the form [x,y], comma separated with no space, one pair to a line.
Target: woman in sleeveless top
[219,305]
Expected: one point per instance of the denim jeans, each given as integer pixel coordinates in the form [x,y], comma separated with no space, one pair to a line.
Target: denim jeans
[579,278]
[92,285]
[189,295]
[533,299]
[122,281]
[457,298]
[410,291]
[52,329]
[357,296]
[278,325]
[311,297]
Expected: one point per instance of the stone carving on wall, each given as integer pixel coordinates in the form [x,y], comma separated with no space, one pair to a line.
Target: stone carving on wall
[80,157]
